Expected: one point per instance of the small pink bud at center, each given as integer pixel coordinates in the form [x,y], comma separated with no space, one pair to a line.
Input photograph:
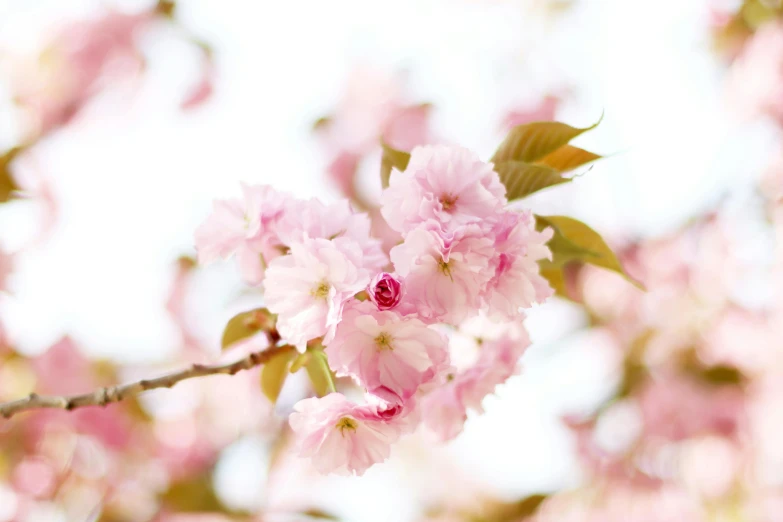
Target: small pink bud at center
[385,290]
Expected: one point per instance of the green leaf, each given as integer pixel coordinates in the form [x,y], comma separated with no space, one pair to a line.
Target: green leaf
[554,276]
[563,249]
[273,374]
[532,141]
[522,179]
[568,158]
[575,241]
[392,158]
[246,324]
[320,374]
[299,362]
[7,184]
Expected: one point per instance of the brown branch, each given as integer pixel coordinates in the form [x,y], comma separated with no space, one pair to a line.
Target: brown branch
[110,394]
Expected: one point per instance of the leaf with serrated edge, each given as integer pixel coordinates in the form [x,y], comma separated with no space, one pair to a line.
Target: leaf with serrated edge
[522,179]
[273,374]
[392,158]
[568,158]
[575,241]
[532,141]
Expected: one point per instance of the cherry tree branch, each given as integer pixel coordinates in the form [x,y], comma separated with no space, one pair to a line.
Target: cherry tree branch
[110,394]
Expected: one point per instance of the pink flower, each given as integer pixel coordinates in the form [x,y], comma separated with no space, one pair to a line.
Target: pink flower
[204,88]
[388,354]
[247,228]
[444,409]
[385,290]
[372,106]
[444,274]
[443,412]
[756,82]
[77,64]
[498,360]
[309,287]
[448,184]
[340,436]
[517,282]
[408,127]
[543,110]
[313,219]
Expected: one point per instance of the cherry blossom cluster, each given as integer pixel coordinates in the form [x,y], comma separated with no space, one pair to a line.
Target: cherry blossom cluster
[464,268]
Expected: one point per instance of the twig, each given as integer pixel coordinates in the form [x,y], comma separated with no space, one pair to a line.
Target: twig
[110,394]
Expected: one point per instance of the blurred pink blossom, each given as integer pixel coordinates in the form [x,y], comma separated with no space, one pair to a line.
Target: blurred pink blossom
[203,90]
[678,408]
[372,108]
[76,64]
[63,369]
[543,110]
[756,81]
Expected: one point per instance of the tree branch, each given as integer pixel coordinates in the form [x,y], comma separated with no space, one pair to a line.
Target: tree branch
[110,394]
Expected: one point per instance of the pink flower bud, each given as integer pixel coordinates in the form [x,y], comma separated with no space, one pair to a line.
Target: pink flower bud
[385,290]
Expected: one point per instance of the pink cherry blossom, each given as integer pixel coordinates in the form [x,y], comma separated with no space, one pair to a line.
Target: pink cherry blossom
[309,287]
[543,110]
[498,360]
[63,369]
[203,90]
[756,82]
[443,412]
[340,436]
[246,228]
[517,282]
[75,65]
[313,219]
[385,290]
[444,409]
[385,352]
[444,274]
[373,106]
[448,184]
[408,127]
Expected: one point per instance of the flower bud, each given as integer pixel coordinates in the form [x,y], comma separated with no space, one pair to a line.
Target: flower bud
[385,290]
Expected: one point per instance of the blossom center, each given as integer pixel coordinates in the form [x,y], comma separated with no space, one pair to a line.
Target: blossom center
[444,268]
[448,201]
[321,291]
[346,423]
[384,341]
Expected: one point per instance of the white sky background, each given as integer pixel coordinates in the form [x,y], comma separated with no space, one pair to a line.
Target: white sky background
[135,179]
